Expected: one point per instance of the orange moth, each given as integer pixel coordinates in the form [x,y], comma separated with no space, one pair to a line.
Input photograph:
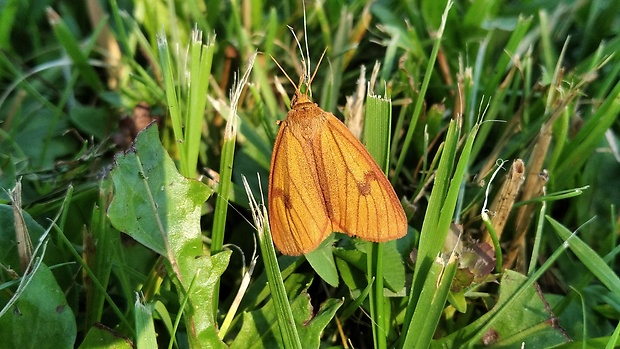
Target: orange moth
[323,180]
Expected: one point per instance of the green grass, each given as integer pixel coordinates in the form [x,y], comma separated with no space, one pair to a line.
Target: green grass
[164,241]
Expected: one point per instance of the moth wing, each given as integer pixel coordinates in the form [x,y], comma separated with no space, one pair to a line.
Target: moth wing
[297,212]
[360,200]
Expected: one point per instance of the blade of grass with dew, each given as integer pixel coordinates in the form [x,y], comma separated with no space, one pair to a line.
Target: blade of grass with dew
[420,100]
[284,314]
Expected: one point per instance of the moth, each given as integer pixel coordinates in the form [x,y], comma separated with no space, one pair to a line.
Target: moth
[323,180]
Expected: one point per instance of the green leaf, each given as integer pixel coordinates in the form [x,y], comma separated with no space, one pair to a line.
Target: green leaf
[322,261]
[208,270]
[530,320]
[352,262]
[153,203]
[40,138]
[41,317]
[158,207]
[103,337]
[393,267]
[352,267]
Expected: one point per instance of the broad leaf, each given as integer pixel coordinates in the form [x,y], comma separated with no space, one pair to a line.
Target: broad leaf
[41,317]
[530,321]
[160,208]
[153,203]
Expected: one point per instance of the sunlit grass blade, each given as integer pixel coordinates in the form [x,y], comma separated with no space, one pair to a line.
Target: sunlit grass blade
[288,330]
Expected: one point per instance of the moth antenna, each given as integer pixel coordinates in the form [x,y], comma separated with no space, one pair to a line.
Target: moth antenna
[317,67]
[309,66]
[285,74]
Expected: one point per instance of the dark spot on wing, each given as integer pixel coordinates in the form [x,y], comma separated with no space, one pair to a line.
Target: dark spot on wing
[287,201]
[364,187]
